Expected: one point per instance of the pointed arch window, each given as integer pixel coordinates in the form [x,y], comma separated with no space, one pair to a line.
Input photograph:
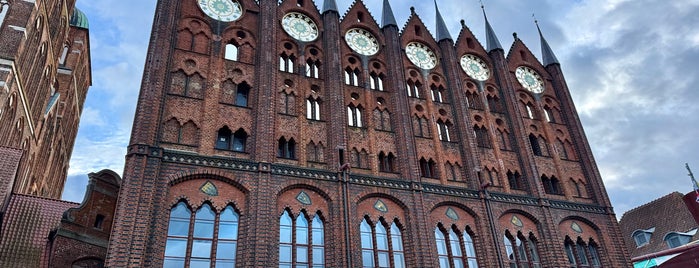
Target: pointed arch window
[413,89]
[443,129]
[521,251]
[313,108]
[301,244]
[474,101]
[241,94]
[482,137]
[428,169]
[515,180]
[286,63]
[231,141]
[381,248]
[64,54]
[551,185]
[352,77]
[287,102]
[455,250]
[312,68]
[538,145]
[504,140]
[286,149]
[376,82]
[386,162]
[548,113]
[191,240]
[421,127]
[495,104]
[231,52]
[436,93]
[354,116]
[530,111]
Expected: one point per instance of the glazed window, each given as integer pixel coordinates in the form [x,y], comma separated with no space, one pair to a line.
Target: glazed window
[286,149]
[381,248]
[191,240]
[301,244]
[354,116]
[313,109]
[231,52]
[454,250]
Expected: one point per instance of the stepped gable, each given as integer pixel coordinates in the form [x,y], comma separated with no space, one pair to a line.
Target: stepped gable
[413,20]
[351,13]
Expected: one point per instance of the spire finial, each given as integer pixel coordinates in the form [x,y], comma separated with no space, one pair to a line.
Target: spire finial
[442,30]
[387,19]
[491,39]
[546,52]
[463,24]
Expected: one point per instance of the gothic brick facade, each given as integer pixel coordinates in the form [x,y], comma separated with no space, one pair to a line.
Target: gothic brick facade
[241,118]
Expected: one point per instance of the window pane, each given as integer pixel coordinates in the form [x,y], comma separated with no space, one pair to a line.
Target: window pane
[178,227]
[368,258]
[198,263]
[381,239]
[225,264]
[444,262]
[173,263]
[454,243]
[201,248]
[176,247]
[228,230]
[458,263]
[301,254]
[318,237]
[398,260]
[285,253]
[204,222]
[472,263]
[318,255]
[383,259]
[302,229]
[284,265]
[225,250]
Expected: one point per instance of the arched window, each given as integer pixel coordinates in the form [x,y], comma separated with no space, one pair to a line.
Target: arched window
[593,249]
[421,127]
[376,82]
[200,229]
[231,52]
[286,63]
[548,113]
[240,138]
[413,89]
[287,102]
[561,149]
[301,244]
[352,77]
[428,168]
[521,251]
[443,129]
[354,116]
[482,137]
[536,148]
[504,140]
[515,180]
[241,94]
[496,106]
[312,68]
[474,101]
[454,250]
[381,248]
[386,162]
[313,109]
[64,53]
[530,111]
[436,93]
[223,140]
[286,149]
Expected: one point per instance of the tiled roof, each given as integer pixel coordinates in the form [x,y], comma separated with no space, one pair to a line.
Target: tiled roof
[666,214]
[9,161]
[26,227]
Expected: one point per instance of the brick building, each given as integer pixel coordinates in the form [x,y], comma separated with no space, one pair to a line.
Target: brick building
[276,133]
[44,77]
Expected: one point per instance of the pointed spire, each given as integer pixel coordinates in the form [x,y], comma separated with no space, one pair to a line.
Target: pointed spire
[491,39]
[442,31]
[388,18]
[330,5]
[546,51]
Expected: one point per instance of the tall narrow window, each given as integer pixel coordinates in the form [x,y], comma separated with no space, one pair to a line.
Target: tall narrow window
[530,111]
[223,141]
[470,250]
[313,109]
[534,142]
[301,244]
[312,68]
[514,180]
[381,248]
[240,138]
[286,63]
[413,89]
[354,116]
[64,53]
[594,254]
[427,168]
[436,93]
[570,253]
[443,129]
[549,115]
[288,100]
[196,236]
[352,77]
[241,95]
[474,101]
[382,120]
[286,149]
[482,137]
[376,82]
[231,52]
[386,162]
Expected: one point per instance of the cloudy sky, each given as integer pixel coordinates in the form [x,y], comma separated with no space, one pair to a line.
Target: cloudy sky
[632,67]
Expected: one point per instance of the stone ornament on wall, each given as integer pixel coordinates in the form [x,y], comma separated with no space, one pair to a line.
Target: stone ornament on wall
[380,206]
[303,198]
[517,222]
[451,213]
[209,189]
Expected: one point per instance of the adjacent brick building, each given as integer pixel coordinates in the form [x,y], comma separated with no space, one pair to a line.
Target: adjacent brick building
[44,77]
[277,134]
